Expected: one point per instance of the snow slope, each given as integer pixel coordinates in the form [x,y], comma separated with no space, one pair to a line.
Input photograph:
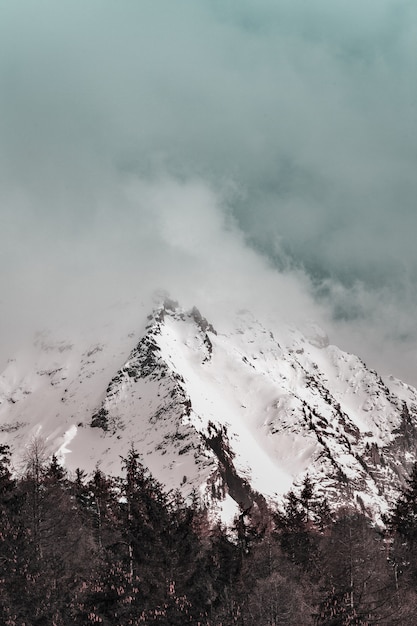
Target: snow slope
[233,412]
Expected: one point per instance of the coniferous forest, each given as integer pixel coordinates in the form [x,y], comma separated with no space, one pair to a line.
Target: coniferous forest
[99,550]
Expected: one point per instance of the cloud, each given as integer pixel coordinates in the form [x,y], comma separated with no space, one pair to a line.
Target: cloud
[194,145]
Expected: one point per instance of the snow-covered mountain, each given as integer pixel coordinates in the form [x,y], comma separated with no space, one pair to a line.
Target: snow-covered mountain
[240,412]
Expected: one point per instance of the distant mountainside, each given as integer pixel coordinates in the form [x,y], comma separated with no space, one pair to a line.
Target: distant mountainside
[241,413]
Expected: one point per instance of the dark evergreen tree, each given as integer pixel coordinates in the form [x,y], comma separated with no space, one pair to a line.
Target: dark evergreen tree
[54,471]
[295,530]
[147,523]
[307,495]
[101,498]
[7,483]
[188,555]
[11,536]
[402,532]
[403,518]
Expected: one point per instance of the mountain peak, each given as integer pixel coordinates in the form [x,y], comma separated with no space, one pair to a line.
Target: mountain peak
[242,414]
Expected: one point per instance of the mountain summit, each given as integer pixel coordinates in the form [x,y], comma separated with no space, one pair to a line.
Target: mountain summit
[241,414]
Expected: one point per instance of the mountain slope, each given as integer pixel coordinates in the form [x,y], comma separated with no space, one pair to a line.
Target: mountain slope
[241,413]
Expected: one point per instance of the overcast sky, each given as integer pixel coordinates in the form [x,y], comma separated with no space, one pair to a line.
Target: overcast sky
[228,151]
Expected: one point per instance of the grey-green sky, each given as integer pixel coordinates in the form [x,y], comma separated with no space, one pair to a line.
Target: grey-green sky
[225,150]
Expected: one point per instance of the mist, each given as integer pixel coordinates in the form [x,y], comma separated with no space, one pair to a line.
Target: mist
[231,153]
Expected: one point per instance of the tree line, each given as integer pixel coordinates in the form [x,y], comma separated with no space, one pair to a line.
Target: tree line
[81,550]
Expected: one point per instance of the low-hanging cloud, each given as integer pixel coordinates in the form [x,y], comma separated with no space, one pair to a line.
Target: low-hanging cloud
[203,146]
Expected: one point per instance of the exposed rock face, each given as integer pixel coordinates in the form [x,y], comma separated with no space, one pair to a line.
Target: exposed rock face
[246,412]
